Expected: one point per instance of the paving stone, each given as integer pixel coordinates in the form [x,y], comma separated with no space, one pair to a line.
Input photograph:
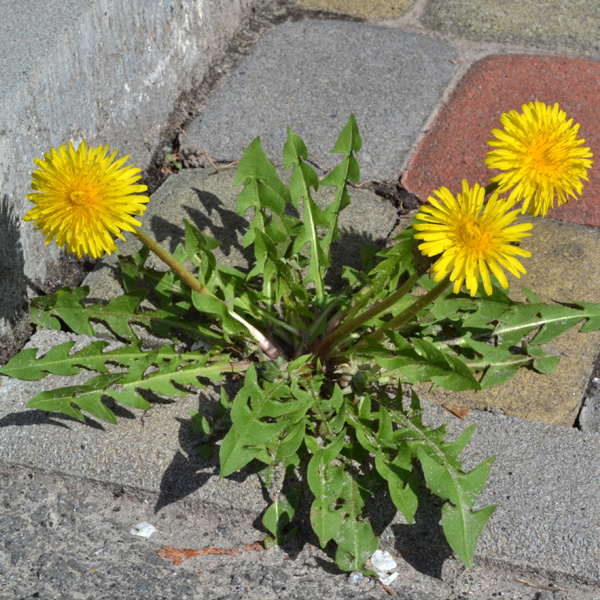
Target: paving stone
[544,483]
[554,24]
[555,398]
[366,9]
[310,75]
[455,146]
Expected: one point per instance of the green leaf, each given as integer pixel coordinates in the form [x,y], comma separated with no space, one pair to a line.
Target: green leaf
[87,397]
[355,539]
[550,319]
[258,417]
[349,140]
[546,364]
[461,525]
[281,513]
[65,304]
[57,361]
[463,528]
[356,543]
[325,479]
[500,363]
[303,178]
[159,371]
[403,483]
[425,362]
[212,305]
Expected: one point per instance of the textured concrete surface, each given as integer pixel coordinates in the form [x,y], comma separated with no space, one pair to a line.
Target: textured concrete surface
[364,9]
[67,537]
[553,25]
[555,398]
[495,85]
[108,71]
[391,79]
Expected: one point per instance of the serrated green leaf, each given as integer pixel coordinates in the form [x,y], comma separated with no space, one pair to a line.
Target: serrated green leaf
[117,314]
[325,479]
[87,397]
[303,178]
[254,165]
[356,543]
[592,310]
[355,539]
[66,305]
[349,140]
[551,321]
[463,526]
[403,483]
[159,371]
[59,361]
[425,362]
[212,305]
[281,513]
[257,415]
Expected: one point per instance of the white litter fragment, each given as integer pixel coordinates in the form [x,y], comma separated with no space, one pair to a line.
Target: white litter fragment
[355,577]
[388,579]
[144,530]
[383,561]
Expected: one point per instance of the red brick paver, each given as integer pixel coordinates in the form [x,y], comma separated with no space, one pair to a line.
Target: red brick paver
[455,146]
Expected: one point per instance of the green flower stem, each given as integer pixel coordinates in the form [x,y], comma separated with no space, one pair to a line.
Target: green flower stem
[264,343]
[406,315]
[358,301]
[350,326]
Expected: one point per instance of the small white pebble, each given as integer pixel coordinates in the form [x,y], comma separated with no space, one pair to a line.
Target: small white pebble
[388,579]
[383,561]
[355,577]
[144,530]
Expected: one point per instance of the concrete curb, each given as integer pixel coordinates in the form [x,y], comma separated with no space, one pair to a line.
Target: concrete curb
[108,71]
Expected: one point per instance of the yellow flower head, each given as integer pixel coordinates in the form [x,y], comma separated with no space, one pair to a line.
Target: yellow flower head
[471,241]
[541,156]
[82,197]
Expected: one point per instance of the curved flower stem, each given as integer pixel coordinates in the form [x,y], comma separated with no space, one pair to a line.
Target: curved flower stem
[265,344]
[417,306]
[348,327]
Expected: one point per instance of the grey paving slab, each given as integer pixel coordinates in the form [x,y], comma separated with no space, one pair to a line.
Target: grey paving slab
[310,75]
[68,537]
[109,71]
[570,27]
[545,485]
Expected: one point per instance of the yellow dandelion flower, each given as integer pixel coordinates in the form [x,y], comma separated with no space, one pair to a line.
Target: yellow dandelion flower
[541,156]
[471,242]
[82,197]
